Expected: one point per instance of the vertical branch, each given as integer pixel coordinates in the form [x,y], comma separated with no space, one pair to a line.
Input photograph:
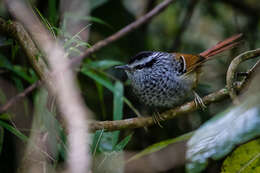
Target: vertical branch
[62,85]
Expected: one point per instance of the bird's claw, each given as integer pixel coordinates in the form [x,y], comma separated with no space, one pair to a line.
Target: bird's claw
[198,101]
[157,118]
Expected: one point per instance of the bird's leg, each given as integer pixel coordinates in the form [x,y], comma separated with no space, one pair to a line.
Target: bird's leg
[198,101]
[157,118]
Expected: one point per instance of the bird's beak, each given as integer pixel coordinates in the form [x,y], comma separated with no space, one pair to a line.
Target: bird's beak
[123,67]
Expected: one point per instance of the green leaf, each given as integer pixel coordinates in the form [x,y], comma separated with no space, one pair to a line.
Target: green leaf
[18,70]
[45,22]
[121,145]
[106,142]
[98,78]
[160,145]
[118,108]
[216,138]
[103,64]
[18,83]
[96,3]
[101,79]
[118,101]
[52,11]
[87,18]
[5,63]
[13,130]
[244,159]
[5,116]
[100,90]
[96,141]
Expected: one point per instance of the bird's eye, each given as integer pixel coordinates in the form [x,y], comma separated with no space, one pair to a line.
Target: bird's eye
[146,65]
[139,67]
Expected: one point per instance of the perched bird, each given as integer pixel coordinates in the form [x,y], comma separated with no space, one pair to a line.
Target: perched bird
[164,80]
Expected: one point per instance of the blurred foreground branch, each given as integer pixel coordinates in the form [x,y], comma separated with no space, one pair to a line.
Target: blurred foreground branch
[184,109]
[61,84]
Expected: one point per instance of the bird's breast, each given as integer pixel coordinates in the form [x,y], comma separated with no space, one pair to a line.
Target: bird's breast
[163,89]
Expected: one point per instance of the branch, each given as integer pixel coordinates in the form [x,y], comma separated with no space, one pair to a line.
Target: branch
[17,31]
[232,70]
[138,122]
[19,96]
[62,85]
[127,29]
[189,107]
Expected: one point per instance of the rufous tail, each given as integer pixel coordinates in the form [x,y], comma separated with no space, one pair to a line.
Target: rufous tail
[222,46]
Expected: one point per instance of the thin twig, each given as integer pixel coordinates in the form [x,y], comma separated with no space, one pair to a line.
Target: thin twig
[232,70]
[14,99]
[127,29]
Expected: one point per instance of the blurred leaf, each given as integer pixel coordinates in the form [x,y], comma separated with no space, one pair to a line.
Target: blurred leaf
[45,22]
[52,12]
[13,130]
[106,142]
[109,162]
[103,64]
[121,145]
[118,108]
[72,50]
[22,72]
[100,90]
[17,69]
[101,79]
[98,78]
[96,3]
[160,145]
[216,138]
[45,121]
[4,62]
[5,116]
[96,141]
[87,18]
[75,41]
[1,139]
[62,148]
[18,83]
[118,101]
[244,159]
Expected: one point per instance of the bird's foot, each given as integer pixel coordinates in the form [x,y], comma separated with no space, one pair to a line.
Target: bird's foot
[198,101]
[157,118]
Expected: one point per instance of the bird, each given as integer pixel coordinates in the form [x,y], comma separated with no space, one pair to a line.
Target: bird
[164,80]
